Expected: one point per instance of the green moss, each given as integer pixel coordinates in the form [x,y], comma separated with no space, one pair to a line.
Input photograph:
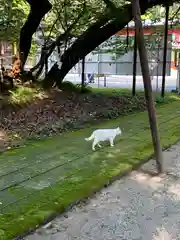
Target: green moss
[77,171]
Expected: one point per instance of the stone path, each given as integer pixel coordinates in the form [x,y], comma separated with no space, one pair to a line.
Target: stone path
[136,207]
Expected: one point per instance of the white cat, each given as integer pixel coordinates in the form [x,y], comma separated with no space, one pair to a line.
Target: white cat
[103,135]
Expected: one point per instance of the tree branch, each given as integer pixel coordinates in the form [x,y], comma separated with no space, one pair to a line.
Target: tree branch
[47,51]
[99,32]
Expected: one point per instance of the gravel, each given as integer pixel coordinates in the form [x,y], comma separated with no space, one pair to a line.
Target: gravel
[139,206]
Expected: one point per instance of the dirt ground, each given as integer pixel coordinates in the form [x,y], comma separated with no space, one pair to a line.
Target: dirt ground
[139,206]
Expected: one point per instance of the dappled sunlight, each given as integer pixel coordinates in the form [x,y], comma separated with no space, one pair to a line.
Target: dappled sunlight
[8,136]
[139,177]
[23,95]
[3,135]
[38,185]
[175,190]
[4,138]
[175,97]
[157,184]
[148,181]
[116,151]
[110,155]
[162,234]
[113,151]
[94,156]
[119,169]
[110,152]
[76,179]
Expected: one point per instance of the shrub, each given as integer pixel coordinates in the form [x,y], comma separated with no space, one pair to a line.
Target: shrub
[23,95]
[70,87]
[166,99]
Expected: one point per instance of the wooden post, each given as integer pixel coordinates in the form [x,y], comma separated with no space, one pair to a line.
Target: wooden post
[147,84]
[165,51]
[134,65]
[105,83]
[178,76]
[158,60]
[83,75]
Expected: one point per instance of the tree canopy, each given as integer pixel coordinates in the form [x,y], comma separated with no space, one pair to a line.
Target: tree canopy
[75,27]
[13,15]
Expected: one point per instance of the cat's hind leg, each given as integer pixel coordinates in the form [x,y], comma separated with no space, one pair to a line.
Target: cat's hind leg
[111,141]
[94,144]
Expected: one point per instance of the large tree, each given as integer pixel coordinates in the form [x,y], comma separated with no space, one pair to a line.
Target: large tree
[38,9]
[112,20]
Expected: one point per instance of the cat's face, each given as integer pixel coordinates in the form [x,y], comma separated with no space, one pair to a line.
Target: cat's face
[119,131]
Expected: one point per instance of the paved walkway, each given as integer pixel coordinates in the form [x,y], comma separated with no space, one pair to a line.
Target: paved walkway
[125,81]
[138,206]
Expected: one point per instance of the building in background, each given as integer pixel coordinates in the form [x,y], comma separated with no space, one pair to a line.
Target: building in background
[6,48]
[113,63]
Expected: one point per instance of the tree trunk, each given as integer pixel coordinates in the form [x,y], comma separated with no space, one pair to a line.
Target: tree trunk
[38,9]
[95,35]
[83,74]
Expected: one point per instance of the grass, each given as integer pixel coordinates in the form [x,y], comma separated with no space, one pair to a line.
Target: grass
[60,170]
[168,98]
[128,92]
[24,95]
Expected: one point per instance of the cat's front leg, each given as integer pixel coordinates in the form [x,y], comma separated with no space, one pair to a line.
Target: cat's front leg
[111,141]
[94,144]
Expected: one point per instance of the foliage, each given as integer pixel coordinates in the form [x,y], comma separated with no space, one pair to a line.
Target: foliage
[34,48]
[70,17]
[116,45]
[157,13]
[12,17]
[120,45]
[166,99]
[65,12]
[67,86]
[24,95]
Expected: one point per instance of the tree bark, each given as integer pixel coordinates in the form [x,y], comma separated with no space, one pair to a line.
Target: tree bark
[99,32]
[83,74]
[37,11]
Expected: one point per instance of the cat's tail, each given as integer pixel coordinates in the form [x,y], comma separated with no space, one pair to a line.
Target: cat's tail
[90,138]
